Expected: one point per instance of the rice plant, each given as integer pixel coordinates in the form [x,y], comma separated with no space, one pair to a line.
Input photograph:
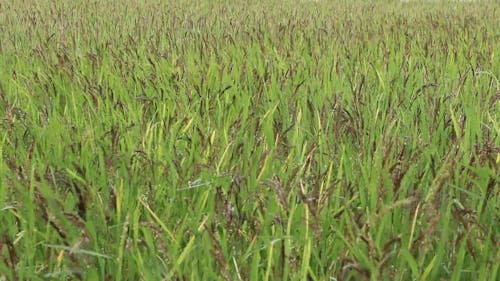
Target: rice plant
[249,140]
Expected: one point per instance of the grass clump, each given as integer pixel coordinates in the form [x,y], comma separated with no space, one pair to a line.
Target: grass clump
[249,140]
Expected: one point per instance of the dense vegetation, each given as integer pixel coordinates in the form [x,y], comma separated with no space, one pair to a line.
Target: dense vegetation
[249,140]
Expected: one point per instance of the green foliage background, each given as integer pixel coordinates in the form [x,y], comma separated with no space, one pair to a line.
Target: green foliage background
[249,140]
